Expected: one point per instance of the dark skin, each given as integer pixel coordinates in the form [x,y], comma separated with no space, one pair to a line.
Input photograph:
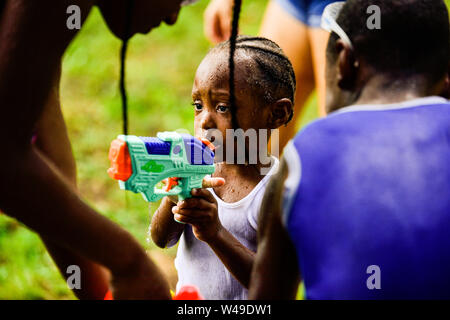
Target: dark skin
[350,81]
[146,15]
[446,91]
[54,146]
[210,95]
[38,181]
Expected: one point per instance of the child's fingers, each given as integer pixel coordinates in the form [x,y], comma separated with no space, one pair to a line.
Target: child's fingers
[203,193]
[194,203]
[182,219]
[191,213]
[187,219]
[213,182]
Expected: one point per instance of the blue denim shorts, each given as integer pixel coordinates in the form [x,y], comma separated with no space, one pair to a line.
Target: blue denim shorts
[307,11]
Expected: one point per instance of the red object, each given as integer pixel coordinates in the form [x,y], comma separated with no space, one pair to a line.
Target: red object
[119,156]
[108,296]
[208,143]
[185,293]
[170,183]
[188,293]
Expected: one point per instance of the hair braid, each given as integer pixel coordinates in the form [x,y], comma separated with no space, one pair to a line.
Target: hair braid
[123,54]
[233,38]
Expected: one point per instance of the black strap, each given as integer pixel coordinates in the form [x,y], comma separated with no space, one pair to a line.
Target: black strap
[123,54]
[233,36]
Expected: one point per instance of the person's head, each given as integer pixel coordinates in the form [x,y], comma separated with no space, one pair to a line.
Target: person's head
[412,46]
[146,14]
[264,82]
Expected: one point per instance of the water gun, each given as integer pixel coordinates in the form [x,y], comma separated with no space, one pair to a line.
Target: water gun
[169,164]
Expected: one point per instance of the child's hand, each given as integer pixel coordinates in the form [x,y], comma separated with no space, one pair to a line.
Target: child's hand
[207,183]
[200,212]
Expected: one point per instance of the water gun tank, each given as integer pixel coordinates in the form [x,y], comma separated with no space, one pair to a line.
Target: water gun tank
[156,146]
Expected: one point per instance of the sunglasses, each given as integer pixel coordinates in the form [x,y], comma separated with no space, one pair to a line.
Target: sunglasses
[329,17]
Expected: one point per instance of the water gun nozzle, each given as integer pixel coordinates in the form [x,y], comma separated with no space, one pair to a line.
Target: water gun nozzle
[119,156]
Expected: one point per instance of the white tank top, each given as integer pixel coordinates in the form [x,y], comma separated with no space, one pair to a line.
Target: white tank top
[196,262]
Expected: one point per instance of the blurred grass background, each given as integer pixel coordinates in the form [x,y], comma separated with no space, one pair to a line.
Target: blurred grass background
[160,72]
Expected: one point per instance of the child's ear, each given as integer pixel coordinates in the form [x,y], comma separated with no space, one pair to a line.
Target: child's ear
[280,113]
[347,66]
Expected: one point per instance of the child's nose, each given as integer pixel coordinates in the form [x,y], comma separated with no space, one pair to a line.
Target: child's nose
[207,121]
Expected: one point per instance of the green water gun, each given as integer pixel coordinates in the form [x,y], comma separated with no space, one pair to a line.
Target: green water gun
[169,164]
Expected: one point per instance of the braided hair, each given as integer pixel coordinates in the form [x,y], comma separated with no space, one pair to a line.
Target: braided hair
[123,55]
[276,77]
[237,4]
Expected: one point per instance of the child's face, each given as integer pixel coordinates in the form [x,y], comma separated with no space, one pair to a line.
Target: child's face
[211,99]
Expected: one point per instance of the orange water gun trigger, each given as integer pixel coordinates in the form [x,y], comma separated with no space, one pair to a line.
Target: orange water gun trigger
[170,183]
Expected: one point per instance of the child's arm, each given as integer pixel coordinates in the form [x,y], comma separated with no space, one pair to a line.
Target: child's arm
[234,255]
[200,211]
[164,230]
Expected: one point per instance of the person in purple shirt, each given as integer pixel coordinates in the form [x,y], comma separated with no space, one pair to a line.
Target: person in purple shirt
[360,208]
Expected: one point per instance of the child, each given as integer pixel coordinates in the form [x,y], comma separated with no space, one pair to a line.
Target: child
[218,237]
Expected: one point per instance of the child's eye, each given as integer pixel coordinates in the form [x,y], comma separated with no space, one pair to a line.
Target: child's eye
[223,109]
[197,106]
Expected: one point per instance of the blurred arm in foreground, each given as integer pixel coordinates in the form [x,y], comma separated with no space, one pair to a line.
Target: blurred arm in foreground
[38,180]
